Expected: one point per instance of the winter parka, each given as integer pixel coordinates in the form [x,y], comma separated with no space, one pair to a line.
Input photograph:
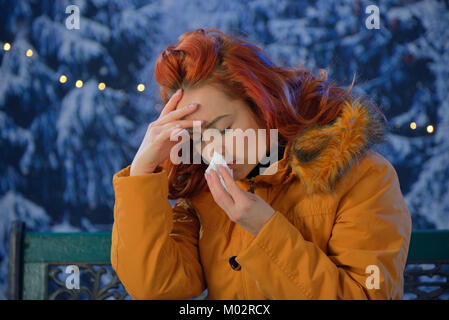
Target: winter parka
[341,229]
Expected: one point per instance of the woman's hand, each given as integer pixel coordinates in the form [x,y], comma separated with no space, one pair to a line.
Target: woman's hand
[156,145]
[245,208]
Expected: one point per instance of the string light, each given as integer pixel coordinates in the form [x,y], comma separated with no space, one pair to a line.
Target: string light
[63,79]
[6,46]
[140,87]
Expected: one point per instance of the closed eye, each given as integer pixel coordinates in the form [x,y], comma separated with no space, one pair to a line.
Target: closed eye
[224,130]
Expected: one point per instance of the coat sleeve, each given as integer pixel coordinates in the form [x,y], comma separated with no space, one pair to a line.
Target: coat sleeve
[372,228]
[154,248]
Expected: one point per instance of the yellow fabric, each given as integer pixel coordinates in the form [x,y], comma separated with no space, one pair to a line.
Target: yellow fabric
[317,245]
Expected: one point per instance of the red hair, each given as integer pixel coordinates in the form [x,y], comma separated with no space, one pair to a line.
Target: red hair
[287,99]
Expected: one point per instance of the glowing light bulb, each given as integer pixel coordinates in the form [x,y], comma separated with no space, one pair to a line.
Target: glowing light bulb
[413,125]
[101,86]
[429,128]
[63,79]
[29,53]
[141,87]
[6,46]
[78,83]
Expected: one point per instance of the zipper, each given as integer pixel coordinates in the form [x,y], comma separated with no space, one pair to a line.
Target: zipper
[245,289]
[251,185]
[245,294]
[244,281]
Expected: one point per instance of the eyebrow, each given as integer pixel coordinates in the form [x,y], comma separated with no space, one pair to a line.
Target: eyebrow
[211,123]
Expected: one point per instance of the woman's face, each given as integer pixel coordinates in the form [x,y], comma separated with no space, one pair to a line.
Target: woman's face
[220,112]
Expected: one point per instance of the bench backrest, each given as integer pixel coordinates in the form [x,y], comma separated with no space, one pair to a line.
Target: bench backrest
[40,263]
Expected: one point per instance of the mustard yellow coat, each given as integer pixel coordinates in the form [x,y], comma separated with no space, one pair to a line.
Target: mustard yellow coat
[339,212]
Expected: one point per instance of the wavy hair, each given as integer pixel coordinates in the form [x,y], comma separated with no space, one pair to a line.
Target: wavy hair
[287,99]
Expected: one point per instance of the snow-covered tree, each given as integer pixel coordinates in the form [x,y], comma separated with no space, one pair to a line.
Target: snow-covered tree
[62,144]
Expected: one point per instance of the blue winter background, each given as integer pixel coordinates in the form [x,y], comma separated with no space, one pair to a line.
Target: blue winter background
[60,145]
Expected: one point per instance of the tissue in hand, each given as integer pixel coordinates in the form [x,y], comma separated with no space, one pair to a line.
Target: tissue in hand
[218,159]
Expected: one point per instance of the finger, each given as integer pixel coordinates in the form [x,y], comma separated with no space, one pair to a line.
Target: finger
[173,130]
[182,123]
[221,197]
[166,130]
[235,191]
[172,102]
[178,114]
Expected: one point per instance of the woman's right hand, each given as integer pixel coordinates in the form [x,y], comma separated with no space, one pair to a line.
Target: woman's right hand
[156,145]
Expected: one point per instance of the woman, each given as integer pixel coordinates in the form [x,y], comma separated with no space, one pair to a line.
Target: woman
[328,222]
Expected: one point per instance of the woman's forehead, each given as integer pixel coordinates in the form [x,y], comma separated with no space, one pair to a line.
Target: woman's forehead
[211,100]
[201,113]
[208,111]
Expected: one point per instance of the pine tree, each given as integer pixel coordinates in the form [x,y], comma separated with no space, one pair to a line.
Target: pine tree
[61,144]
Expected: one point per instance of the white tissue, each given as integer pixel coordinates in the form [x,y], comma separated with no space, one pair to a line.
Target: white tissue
[218,159]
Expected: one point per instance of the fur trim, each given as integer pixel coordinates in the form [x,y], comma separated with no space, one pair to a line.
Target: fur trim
[320,155]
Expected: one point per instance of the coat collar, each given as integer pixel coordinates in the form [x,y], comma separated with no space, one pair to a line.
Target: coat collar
[320,155]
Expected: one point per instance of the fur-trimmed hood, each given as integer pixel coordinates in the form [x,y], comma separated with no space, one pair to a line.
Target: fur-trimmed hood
[320,155]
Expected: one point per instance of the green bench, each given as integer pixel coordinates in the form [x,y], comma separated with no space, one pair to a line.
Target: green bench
[38,264]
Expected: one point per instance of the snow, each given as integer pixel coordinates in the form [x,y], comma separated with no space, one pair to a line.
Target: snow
[62,144]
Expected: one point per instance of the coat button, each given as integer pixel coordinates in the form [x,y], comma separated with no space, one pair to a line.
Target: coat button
[234,264]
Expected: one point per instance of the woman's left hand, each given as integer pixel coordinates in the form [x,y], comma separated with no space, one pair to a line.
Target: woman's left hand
[245,208]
